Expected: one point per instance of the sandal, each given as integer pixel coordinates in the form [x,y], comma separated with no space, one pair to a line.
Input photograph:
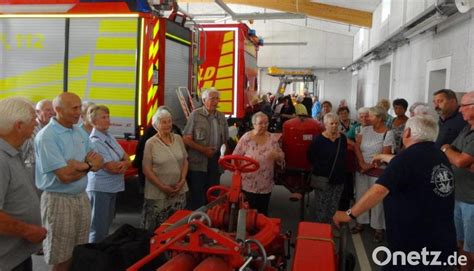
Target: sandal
[378,236]
[357,229]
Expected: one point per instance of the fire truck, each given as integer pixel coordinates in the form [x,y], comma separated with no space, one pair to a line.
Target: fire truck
[229,63]
[112,53]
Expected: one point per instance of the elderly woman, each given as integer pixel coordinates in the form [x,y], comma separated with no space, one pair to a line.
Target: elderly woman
[103,185]
[344,119]
[363,115]
[327,155]
[400,107]
[260,145]
[326,107]
[165,166]
[372,140]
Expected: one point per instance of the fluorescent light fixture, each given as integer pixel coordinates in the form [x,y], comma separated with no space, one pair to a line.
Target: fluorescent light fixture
[424,26]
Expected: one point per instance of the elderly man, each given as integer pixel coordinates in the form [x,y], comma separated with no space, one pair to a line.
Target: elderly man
[64,156]
[461,155]
[20,220]
[418,198]
[44,112]
[450,119]
[204,135]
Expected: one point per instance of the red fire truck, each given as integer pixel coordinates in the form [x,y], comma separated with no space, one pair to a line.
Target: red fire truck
[229,64]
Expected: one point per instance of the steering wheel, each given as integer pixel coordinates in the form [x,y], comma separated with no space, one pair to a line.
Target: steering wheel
[241,163]
[221,191]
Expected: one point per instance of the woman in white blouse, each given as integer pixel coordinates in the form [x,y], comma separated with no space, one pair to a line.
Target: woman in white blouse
[372,140]
[165,166]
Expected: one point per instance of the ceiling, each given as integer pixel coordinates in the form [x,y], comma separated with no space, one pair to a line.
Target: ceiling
[354,13]
[365,5]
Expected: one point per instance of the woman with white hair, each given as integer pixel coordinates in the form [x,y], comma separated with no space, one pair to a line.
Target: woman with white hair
[165,166]
[260,145]
[327,155]
[372,140]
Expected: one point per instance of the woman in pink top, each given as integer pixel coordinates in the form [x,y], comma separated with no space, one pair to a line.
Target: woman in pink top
[260,145]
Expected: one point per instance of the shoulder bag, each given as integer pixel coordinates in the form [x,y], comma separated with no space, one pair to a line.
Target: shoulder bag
[322,182]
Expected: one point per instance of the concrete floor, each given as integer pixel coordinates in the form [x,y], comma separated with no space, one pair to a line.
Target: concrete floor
[129,207]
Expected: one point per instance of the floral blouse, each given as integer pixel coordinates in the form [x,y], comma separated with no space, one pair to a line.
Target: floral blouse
[260,181]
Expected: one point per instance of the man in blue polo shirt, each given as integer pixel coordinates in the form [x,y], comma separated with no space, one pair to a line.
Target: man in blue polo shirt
[418,199]
[64,156]
[450,119]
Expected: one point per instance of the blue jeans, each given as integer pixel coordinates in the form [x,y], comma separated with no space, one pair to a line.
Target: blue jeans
[199,182]
[103,212]
[464,222]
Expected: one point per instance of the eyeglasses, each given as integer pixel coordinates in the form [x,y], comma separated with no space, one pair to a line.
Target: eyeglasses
[462,105]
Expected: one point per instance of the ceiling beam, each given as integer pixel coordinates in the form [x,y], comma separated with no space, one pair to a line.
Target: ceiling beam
[318,10]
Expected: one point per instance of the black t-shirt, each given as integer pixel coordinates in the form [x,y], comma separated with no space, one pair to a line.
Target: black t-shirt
[321,154]
[419,208]
[450,128]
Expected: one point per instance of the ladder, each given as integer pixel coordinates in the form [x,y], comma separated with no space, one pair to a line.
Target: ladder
[187,108]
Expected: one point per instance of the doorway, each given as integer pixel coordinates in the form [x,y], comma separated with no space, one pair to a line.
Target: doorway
[436,81]
[384,81]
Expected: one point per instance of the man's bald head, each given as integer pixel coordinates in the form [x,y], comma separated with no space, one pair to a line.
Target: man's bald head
[467,107]
[68,108]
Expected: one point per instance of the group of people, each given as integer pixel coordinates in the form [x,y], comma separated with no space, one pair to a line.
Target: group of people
[423,198]
[59,180]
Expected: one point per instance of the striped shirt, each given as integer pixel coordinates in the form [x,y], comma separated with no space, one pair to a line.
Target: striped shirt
[111,151]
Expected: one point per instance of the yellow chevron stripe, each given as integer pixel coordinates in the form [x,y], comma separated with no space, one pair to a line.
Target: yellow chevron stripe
[224,83]
[225,95]
[35,94]
[150,72]
[118,26]
[154,47]
[114,60]
[112,94]
[121,111]
[78,86]
[227,47]
[226,60]
[151,93]
[116,43]
[225,72]
[52,74]
[79,66]
[208,84]
[113,77]
[229,36]
[151,112]
[156,29]
[225,107]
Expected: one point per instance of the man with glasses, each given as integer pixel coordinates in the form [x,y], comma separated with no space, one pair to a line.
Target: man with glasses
[204,134]
[461,156]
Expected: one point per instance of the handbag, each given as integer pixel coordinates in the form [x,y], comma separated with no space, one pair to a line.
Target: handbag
[322,182]
[378,171]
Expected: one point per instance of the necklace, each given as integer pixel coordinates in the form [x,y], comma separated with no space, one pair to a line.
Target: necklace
[167,140]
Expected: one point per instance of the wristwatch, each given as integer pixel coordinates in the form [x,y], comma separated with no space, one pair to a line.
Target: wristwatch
[90,166]
[349,213]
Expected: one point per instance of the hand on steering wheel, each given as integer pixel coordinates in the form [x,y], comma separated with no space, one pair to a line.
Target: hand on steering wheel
[238,162]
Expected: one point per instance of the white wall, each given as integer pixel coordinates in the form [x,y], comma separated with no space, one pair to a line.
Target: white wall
[411,62]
